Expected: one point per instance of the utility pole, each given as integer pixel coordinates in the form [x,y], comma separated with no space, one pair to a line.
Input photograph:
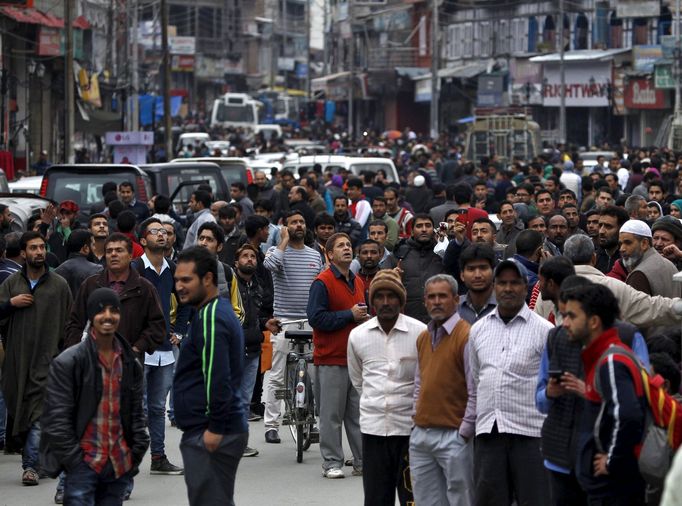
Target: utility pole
[351,87]
[69,97]
[434,69]
[166,64]
[307,45]
[135,112]
[562,77]
[678,89]
[284,41]
[325,41]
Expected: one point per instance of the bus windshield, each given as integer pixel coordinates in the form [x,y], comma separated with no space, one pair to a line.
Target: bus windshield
[242,113]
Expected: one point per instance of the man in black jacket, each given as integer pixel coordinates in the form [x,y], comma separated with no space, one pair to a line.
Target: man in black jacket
[258,310]
[99,445]
[79,265]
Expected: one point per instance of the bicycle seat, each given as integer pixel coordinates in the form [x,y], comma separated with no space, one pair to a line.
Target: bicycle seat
[299,335]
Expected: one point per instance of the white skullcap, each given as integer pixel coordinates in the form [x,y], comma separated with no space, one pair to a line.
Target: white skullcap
[636,227]
[419,180]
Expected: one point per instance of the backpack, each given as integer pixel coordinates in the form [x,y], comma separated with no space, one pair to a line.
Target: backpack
[662,427]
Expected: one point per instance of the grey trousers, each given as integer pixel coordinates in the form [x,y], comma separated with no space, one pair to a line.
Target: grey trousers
[442,467]
[339,403]
[210,476]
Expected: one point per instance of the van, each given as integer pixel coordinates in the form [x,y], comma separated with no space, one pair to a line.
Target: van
[82,183]
[354,165]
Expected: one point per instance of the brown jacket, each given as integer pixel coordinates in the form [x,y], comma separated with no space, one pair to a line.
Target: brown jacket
[142,322]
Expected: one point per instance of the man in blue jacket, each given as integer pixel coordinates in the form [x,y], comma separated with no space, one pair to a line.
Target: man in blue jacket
[208,377]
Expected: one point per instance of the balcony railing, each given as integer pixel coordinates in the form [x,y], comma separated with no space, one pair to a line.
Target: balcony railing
[379,58]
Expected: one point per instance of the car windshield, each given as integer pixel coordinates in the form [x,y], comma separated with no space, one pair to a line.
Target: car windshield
[84,189]
[172,180]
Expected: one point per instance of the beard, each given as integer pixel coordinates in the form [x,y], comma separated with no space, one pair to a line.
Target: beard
[630,262]
[247,269]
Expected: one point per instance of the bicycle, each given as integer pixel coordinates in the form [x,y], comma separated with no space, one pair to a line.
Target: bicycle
[299,413]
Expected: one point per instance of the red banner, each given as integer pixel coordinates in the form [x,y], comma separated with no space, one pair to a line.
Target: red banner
[641,94]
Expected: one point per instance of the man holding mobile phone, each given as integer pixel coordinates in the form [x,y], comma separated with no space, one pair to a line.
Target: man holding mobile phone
[336,305]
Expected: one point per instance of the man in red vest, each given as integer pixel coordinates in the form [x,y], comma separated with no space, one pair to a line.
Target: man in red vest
[336,304]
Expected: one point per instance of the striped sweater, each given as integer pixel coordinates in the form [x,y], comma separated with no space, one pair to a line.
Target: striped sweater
[209,372]
[293,271]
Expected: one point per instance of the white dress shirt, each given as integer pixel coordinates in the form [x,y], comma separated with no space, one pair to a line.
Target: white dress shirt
[382,369]
[505,360]
[158,358]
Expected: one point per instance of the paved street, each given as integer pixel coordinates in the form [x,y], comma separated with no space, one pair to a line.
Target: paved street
[273,477]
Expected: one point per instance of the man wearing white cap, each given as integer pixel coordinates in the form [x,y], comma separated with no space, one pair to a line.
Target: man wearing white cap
[647,270]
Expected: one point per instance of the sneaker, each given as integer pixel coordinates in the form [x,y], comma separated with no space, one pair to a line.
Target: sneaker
[254,417]
[357,471]
[30,477]
[59,497]
[348,462]
[249,452]
[162,466]
[334,473]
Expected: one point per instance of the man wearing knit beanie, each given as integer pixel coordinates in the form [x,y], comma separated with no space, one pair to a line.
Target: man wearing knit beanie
[667,238]
[72,429]
[386,390]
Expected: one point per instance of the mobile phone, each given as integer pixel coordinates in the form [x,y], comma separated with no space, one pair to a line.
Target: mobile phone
[443,225]
[556,373]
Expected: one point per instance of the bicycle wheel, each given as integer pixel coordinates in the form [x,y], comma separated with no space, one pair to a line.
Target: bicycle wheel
[307,427]
[300,437]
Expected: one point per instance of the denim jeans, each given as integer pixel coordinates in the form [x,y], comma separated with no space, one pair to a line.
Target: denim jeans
[30,455]
[171,407]
[158,381]
[249,380]
[84,487]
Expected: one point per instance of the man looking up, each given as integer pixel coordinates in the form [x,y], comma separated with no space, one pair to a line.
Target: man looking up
[99,228]
[336,304]
[35,303]
[294,266]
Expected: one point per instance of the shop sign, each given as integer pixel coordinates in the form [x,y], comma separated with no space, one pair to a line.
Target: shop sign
[644,57]
[422,90]
[586,85]
[663,77]
[182,45]
[641,94]
[638,8]
[49,41]
[182,63]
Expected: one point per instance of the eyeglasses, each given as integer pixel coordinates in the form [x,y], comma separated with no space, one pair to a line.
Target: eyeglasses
[157,231]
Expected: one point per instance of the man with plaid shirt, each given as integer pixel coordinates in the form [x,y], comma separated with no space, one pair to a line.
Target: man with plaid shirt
[93,422]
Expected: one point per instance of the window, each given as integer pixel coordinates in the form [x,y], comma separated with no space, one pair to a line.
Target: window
[581,31]
[615,31]
[549,32]
[183,18]
[484,39]
[502,42]
[468,43]
[207,16]
[640,31]
[519,35]
[454,45]
[600,27]
[532,34]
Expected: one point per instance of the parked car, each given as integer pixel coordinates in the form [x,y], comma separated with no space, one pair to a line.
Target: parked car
[232,168]
[82,183]
[26,184]
[22,206]
[167,177]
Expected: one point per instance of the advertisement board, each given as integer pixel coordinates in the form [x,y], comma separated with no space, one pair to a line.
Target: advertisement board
[586,84]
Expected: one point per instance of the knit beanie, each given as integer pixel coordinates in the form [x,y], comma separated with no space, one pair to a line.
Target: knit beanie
[100,299]
[388,280]
[669,224]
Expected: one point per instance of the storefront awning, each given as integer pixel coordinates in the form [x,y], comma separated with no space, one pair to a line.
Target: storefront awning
[411,72]
[466,71]
[36,17]
[580,55]
[319,83]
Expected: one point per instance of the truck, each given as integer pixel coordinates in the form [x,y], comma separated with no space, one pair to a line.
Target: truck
[506,136]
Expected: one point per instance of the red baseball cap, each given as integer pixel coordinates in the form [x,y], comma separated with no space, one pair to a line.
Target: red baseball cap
[69,205]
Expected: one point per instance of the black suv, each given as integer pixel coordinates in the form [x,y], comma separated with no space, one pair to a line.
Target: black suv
[82,183]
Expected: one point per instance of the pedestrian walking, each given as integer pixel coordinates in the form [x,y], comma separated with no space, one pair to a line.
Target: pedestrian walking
[93,425]
[208,376]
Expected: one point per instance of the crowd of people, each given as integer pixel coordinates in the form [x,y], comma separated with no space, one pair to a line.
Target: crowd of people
[484,333]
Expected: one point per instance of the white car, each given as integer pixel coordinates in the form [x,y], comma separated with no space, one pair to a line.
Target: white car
[28,184]
[193,139]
